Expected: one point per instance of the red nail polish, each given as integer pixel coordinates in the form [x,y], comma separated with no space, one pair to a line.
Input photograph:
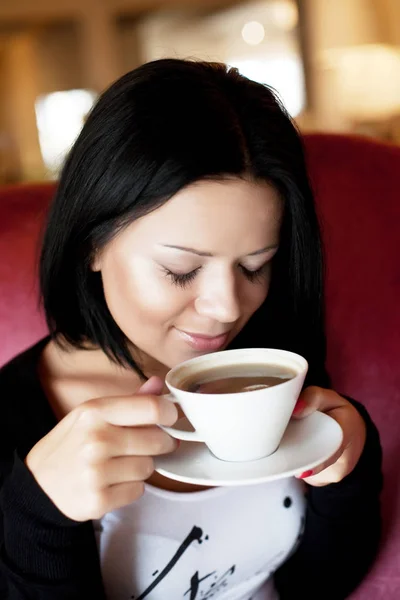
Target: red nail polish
[306,474]
[300,406]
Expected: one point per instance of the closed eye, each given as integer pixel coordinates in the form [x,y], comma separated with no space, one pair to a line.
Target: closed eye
[255,276]
[181,279]
[184,279]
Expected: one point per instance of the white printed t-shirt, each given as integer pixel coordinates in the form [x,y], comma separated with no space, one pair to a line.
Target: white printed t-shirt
[222,543]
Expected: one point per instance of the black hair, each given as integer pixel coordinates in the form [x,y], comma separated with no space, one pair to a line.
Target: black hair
[156,130]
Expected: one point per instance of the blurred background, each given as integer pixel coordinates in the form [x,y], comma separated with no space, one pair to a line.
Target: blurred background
[335,63]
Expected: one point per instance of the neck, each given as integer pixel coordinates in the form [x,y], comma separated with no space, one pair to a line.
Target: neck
[148,365]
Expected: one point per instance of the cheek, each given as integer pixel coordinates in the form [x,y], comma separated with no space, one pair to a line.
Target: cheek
[257,297]
[255,294]
[139,296]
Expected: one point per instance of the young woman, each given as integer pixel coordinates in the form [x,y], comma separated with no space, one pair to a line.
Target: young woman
[183,224]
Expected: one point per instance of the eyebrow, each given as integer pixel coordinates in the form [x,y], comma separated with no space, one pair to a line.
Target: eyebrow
[200,253]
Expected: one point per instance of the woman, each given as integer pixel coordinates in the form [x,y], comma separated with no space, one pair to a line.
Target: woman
[183,223]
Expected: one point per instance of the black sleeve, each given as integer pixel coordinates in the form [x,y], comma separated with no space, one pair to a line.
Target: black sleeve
[342,530]
[44,555]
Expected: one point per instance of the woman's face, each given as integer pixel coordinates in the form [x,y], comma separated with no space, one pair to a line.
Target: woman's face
[185,279]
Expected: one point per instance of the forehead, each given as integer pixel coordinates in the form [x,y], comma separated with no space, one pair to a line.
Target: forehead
[215,209]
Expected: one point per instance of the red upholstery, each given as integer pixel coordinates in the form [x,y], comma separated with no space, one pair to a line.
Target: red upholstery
[22,211]
[356,184]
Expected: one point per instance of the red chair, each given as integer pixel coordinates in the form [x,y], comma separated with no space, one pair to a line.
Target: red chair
[22,214]
[356,185]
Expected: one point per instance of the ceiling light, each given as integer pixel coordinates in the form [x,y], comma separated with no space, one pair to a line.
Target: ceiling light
[253,33]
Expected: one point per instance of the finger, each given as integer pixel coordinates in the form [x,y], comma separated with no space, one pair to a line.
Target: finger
[129,411]
[309,401]
[125,469]
[309,475]
[116,496]
[154,386]
[341,417]
[345,459]
[331,474]
[122,469]
[354,434]
[130,441]
[316,398]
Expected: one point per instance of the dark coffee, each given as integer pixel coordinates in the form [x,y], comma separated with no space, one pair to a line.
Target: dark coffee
[232,379]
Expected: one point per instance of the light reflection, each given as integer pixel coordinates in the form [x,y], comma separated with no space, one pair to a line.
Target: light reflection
[60,117]
[253,33]
[284,73]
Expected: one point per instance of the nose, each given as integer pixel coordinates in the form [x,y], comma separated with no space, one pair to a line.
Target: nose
[219,300]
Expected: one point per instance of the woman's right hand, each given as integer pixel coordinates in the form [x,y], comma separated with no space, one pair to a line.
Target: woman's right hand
[98,456]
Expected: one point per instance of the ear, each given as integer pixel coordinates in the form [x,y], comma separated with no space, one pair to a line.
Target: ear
[96,262]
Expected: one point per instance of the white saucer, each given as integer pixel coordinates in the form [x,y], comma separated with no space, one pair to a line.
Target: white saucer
[306,444]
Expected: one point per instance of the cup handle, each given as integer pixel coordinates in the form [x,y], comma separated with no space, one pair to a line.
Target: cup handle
[180,434]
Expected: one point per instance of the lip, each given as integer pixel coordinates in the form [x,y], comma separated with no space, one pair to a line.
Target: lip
[202,342]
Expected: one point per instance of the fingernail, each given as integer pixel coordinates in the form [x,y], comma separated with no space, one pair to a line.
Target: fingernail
[300,406]
[306,474]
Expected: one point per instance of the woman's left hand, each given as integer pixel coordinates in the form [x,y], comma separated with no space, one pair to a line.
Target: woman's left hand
[354,433]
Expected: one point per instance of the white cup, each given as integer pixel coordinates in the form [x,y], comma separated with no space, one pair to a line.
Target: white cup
[239,426]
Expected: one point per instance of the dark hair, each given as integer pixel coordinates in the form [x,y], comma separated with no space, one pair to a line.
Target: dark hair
[159,128]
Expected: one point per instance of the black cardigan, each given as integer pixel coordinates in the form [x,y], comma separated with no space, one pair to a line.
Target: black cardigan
[46,556]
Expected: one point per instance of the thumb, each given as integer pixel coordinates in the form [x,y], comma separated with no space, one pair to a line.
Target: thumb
[316,398]
[308,402]
[154,386]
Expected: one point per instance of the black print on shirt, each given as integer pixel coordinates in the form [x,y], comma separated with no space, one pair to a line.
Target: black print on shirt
[195,534]
[214,587]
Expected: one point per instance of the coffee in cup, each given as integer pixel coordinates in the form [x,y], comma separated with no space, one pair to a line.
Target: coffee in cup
[233,379]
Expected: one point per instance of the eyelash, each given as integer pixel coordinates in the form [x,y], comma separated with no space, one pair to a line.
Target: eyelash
[186,278]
